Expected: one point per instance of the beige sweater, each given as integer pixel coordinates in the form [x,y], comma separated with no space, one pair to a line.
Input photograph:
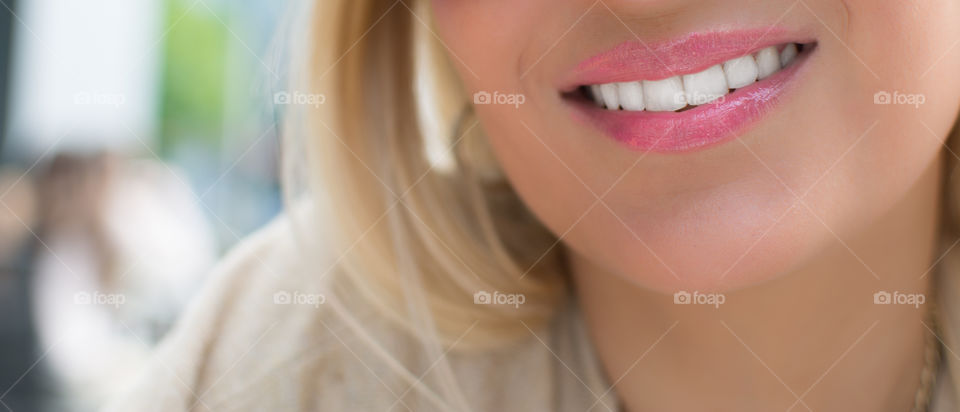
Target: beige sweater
[237,350]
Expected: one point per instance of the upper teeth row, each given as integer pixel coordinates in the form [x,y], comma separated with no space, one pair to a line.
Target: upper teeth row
[694,89]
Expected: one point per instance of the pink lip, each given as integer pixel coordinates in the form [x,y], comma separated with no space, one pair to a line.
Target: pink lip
[697,128]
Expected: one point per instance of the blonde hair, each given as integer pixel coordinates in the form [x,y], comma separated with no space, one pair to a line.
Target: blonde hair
[456,229]
[414,236]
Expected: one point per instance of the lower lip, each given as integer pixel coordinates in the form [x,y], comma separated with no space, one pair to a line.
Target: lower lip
[704,126]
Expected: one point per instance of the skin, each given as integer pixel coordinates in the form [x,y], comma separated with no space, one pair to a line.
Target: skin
[825,201]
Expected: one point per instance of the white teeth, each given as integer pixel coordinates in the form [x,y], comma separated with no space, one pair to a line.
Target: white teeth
[664,95]
[768,61]
[597,96]
[706,86]
[610,98]
[631,96]
[788,54]
[741,71]
[693,89]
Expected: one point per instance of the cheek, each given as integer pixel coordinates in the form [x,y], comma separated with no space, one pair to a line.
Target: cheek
[487,41]
[463,28]
[539,165]
[908,85]
[909,50]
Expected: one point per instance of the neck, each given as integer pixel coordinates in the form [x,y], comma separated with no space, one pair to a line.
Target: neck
[809,340]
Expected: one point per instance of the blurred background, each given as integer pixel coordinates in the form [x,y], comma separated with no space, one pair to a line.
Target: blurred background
[137,144]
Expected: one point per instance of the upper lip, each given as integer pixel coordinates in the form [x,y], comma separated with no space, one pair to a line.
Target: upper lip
[638,60]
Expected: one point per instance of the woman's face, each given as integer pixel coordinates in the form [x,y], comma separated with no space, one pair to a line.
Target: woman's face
[745,186]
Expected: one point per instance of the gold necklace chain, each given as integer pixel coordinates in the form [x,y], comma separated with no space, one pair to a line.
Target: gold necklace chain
[931,367]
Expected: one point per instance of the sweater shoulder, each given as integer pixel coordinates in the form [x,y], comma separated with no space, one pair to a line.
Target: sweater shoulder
[260,324]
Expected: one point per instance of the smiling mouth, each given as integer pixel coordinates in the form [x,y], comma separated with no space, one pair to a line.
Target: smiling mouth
[689,93]
[684,92]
